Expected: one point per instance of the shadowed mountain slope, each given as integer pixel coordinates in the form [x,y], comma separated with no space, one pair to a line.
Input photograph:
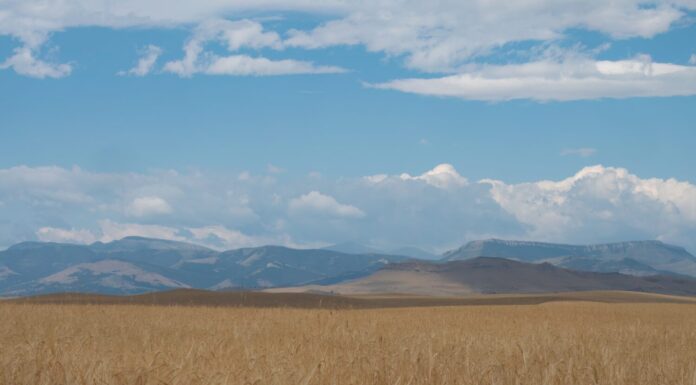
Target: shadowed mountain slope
[486,275]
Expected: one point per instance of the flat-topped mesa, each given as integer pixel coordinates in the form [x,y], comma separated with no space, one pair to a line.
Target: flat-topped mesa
[635,257]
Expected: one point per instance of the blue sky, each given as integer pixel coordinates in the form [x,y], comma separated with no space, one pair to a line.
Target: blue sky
[282,100]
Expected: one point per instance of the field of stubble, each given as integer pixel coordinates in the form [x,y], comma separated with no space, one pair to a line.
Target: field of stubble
[553,343]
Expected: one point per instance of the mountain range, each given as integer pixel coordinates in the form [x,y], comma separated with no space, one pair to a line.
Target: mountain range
[136,265]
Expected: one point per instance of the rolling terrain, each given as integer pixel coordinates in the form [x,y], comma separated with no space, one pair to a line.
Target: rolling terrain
[486,275]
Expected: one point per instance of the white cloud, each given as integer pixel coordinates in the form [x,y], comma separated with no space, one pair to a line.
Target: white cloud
[584,152]
[230,239]
[437,209]
[434,36]
[108,231]
[111,231]
[24,62]
[52,234]
[601,201]
[558,81]
[244,65]
[146,63]
[442,176]
[215,236]
[439,36]
[149,205]
[377,178]
[315,202]
[236,35]
[692,59]
[44,186]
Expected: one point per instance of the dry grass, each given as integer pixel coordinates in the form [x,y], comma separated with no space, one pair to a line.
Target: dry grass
[553,343]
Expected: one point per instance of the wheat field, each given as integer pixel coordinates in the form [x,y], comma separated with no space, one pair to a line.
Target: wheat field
[552,343]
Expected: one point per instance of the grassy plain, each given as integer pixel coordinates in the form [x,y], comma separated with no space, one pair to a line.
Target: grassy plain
[550,343]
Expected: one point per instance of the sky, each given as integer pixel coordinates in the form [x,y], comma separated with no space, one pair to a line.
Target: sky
[390,123]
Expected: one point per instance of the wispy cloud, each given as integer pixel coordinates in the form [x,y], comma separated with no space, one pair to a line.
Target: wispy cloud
[25,62]
[146,63]
[236,35]
[440,37]
[273,169]
[549,80]
[584,152]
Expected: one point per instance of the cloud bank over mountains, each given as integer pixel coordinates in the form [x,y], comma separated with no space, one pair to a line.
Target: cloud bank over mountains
[449,44]
[437,209]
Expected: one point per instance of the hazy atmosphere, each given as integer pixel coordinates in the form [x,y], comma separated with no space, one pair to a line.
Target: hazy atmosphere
[434,209]
[391,123]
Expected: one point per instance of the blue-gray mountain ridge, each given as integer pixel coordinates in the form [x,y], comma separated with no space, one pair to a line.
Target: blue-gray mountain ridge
[136,264]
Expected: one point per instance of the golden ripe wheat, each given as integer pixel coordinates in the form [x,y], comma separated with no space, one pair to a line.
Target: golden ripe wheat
[553,343]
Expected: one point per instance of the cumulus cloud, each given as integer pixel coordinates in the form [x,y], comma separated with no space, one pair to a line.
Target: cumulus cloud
[601,202]
[315,202]
[438,209]
[236,35]
[584,152]
[442,176]
[146,63]
[558,81]
[150,205]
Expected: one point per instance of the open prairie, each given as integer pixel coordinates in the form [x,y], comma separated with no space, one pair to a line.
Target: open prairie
[286,297]
[559,342]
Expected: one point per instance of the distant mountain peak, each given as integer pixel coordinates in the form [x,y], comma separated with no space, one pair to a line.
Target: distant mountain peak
[352,247]
[33,245]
